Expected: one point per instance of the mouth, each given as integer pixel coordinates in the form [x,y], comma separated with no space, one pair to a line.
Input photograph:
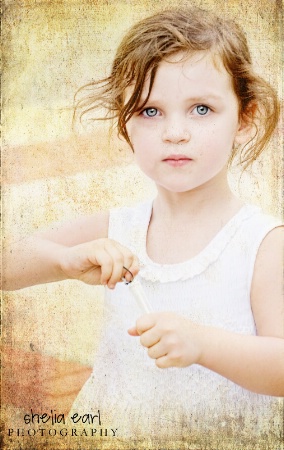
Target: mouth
[177,160]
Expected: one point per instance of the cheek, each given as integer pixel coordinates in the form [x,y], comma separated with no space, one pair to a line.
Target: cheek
[143,139]
[142,129]
[221,137]
[214,148]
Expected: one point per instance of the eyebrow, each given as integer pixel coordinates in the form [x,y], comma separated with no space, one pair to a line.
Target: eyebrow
[205,98]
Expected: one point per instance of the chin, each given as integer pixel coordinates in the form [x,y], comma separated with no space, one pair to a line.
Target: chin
[177,189]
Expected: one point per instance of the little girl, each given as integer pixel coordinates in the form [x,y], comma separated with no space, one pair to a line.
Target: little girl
[206,364]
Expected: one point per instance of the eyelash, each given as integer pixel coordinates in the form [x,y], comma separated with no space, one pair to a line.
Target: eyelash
[143,112]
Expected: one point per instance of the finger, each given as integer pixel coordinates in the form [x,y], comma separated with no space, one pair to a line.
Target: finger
[157,351]
[134,266]
[105,261]
[125,265]
[146,322]
[130,264]
[164,362]
[133,331]
[128,275]
[117,266]
[150,338]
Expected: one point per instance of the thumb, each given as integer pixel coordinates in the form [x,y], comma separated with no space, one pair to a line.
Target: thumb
[133,331]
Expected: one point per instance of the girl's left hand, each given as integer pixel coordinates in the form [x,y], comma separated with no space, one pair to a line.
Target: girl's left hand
[172,340]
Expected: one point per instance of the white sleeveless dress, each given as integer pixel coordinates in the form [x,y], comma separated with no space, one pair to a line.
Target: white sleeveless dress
[193,405]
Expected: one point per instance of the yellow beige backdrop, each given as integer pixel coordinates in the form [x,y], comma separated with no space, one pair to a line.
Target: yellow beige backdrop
[51,173]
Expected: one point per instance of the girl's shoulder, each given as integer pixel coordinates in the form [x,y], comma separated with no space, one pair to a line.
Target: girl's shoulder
[257,224]
[257,214]
[132,211]
[129,217]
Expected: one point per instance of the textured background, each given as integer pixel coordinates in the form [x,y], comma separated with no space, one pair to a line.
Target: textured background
[51,172]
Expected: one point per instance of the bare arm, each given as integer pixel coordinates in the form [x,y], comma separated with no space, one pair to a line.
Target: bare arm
[78,250]
[254,362]
[257,362]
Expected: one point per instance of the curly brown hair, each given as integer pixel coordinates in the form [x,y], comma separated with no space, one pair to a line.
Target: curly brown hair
[186,30]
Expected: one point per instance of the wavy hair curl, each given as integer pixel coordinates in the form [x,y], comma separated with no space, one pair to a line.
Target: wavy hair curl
[187,30]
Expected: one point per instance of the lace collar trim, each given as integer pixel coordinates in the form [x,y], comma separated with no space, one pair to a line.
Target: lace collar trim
[188,269]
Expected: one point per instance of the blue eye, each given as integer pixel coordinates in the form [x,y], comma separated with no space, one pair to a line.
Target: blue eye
[202,110]
[150,112]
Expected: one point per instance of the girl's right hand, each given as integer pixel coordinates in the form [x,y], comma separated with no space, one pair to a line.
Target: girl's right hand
[98,262]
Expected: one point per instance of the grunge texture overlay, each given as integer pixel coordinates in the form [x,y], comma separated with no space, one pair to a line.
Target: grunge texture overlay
[54,172]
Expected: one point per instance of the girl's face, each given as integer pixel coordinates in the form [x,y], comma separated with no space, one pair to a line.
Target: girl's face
[184,135]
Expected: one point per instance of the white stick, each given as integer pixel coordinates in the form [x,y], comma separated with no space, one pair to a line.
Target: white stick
[139,294]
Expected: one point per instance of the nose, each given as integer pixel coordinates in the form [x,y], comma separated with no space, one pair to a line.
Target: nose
[176,131]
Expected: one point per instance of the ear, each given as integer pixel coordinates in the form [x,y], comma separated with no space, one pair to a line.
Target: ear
[247,127]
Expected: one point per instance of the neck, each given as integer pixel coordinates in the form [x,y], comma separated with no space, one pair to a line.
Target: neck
[213,197]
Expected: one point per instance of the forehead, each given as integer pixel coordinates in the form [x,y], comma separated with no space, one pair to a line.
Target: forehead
[199,74]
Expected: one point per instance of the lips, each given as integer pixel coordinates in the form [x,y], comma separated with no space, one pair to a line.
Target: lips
[177,160]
